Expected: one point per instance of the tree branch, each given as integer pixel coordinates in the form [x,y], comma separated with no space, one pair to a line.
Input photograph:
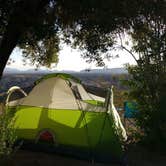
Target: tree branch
[19,22]
[123,47]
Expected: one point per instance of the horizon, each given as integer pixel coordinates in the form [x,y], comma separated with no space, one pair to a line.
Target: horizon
[9,70]
[70,59]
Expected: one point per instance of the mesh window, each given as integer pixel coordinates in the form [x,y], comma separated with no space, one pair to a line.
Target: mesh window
[76,92]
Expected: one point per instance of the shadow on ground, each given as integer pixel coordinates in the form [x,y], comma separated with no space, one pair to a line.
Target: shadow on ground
[27,158]
[139,156]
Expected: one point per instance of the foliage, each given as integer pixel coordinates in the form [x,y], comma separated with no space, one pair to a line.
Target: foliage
[41,53]
[148,78]
[31,25]
[7,135]
[38,26]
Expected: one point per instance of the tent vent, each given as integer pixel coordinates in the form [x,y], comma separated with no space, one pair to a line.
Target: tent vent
[46,136]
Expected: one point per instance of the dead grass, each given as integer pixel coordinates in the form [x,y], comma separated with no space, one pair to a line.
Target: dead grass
[2,107]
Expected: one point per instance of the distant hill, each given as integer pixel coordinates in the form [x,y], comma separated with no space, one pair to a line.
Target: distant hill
[9,70]
[109,70]
[41,71]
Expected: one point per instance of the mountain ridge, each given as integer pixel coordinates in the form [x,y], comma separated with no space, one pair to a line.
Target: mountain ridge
[9,70]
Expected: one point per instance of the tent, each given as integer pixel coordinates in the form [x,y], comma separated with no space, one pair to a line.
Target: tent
[60,112]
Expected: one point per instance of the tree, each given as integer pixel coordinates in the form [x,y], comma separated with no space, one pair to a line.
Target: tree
[148,77]
[24,23]
[37,26]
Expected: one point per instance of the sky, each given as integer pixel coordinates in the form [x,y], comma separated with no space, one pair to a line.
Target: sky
[70,59]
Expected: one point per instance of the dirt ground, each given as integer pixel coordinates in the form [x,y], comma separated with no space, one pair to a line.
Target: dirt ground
[27,158]
[136,156]
[139,156]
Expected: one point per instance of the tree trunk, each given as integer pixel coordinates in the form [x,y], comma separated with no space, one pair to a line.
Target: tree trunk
[7,45]
[23,17]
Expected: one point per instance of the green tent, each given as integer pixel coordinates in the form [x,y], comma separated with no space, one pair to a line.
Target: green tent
[59,112]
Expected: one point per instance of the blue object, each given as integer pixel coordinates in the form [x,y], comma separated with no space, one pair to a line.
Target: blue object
[130,109]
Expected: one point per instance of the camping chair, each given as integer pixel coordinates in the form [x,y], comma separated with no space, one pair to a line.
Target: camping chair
[130,110]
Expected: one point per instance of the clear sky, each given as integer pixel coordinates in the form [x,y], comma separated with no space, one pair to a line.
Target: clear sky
[70,59]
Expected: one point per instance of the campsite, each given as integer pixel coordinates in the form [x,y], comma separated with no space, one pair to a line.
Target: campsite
[136,155]
[82,82]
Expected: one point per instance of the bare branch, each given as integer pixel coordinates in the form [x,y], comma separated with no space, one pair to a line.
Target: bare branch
[123,47]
